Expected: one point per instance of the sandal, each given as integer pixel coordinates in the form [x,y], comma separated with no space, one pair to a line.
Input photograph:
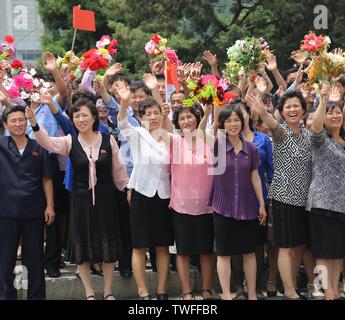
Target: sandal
[183,295]
[109,296]
[272,293]
[213,295]
[91,297]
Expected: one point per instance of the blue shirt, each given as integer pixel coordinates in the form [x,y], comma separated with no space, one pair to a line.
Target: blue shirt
[22,195]
[266,170]
[46,119]
[113,109]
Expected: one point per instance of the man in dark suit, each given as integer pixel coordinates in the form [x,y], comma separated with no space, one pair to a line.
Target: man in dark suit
[26,202]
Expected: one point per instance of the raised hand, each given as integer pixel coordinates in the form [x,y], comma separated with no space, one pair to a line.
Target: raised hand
[335,94]
[299,57]
[272,63]
[299,75]
[183,72]
[49,62]
[325,93]
[123,91]
[157,67]
[46,98]
[150,80]
[256,104]
[305,90]
[280,91]
[114,69]
[210,58]
[195,72]
[166,110]
[30,115]
[339,52]
[3,96]
[98,86]
[242,74]
[261,85]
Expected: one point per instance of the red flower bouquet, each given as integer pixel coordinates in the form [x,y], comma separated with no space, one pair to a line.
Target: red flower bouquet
[208,90]
[156,49]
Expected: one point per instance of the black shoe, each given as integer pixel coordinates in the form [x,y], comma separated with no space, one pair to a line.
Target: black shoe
[53,273]
[126,273]
[98,272]
[162,296]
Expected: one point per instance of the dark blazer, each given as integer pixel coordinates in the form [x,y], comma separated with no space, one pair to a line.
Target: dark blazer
[21,190]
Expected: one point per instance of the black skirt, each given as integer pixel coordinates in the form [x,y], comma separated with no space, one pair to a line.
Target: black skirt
[194,235]
[290,225]
[235,237]
[327,234]
[94,230]
[151,222]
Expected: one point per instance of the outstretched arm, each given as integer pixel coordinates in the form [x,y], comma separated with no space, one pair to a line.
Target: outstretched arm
[60,145]
[320,113]
[258,107]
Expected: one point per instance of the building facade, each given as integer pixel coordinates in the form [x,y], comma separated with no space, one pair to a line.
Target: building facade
[20,19]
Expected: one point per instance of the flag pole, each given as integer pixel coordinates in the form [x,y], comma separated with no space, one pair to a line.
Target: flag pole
[73,42]
[166,81]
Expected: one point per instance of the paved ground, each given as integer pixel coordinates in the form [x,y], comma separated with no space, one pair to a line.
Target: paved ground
[69,287]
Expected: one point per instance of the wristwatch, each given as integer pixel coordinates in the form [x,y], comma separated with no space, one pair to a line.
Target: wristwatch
[36,127]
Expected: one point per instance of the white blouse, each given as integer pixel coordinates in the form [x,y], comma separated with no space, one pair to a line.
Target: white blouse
[151,162]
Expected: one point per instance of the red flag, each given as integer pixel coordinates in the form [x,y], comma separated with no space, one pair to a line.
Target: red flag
[171,74]
[84,19]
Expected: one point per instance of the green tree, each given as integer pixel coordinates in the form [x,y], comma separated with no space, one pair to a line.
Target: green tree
[191,26]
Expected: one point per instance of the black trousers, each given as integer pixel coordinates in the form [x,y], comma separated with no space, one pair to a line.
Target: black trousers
[31,232]
[125,259]
[54,241]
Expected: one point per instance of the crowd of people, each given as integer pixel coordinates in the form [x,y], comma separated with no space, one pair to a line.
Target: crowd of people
[114,168]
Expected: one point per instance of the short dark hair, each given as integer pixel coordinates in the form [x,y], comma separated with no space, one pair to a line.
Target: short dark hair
[138,84]
[119,77]
[10,110]
[243,104]
[88,104]
[160,77]
[175,92]
[289,95]
[193,110]
[226,113]
[149,102]
[305,118]
[330,106]
[83,94]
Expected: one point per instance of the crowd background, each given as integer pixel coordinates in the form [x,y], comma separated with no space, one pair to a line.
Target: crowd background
[111,196]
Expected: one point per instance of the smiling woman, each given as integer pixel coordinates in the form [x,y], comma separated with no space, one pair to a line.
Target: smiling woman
[290,184]
[94,234]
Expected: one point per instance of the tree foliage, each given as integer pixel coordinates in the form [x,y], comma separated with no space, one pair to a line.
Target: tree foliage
[191,26]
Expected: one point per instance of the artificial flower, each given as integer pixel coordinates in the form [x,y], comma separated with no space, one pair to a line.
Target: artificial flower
[312,42]
[156,49]
[9,39]
[249,53]
[208,90]
[155,38]
[16,64]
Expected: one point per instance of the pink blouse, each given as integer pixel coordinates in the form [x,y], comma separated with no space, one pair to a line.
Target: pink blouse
[63,145]
[190,178]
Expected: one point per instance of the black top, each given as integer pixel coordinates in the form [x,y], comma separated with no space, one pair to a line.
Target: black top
[80,164]
[21,191]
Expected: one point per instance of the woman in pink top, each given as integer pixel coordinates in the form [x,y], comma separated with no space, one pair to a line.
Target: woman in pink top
[93,231]
[191,161]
